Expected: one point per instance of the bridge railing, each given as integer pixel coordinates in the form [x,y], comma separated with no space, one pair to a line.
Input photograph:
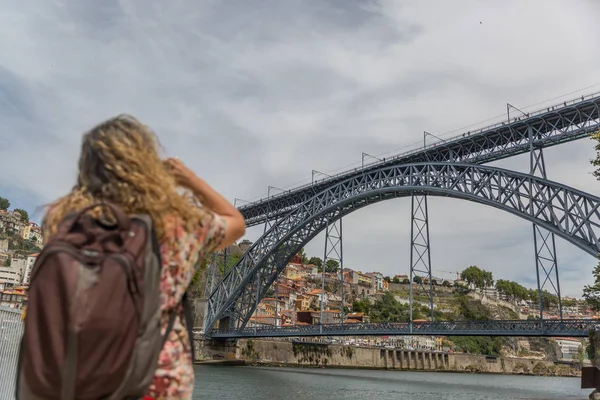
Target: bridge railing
[486,128]
[11,330]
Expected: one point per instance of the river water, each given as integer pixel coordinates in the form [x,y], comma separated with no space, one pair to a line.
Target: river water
[254,383]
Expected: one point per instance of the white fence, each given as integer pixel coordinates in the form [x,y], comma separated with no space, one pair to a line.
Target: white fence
[11,329]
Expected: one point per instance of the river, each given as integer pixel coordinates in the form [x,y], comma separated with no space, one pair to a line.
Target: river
[256,383]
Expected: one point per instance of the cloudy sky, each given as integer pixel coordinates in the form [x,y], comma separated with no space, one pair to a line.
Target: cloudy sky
[261,94]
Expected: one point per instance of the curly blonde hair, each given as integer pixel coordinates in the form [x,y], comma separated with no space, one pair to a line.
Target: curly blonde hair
[120,163]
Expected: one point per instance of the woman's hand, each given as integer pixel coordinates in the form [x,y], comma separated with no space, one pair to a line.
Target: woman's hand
[183,175]
[235,224]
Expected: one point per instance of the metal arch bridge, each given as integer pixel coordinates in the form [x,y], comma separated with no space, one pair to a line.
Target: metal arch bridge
[304,212]
[549,328]
[567,212]
[551,126]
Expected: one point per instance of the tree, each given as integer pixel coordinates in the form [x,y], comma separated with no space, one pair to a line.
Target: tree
[417,279]
[387,279]
[591,294]
[316,261]
[4,203]
[548,299]
[486,345]
[332,266]
[199,277]
[7,262]
[579,357]
[514,291]
[303,256]
[472,276]
[477,277]
[488,279]
[596,161]
[361,306]
[569,302]
[24,214]
[396,280]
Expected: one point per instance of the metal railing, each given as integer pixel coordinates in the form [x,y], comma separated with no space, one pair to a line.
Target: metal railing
[11,329]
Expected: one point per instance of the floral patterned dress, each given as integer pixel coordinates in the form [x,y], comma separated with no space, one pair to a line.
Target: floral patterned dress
[174,377]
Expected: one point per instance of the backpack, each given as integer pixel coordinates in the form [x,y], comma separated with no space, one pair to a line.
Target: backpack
[92,326]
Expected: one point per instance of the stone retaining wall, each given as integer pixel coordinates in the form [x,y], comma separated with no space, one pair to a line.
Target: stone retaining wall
[315,354]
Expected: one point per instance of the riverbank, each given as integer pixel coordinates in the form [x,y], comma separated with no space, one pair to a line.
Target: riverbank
[566,372]
[314,355]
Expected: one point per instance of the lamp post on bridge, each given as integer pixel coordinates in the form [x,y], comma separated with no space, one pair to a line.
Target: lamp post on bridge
[315,172]
[509,106]
[235,200]
[368,155]
[271,188]
[425,134]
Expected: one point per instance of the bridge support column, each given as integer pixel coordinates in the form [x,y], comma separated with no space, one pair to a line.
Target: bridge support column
[546,262]
[217,269]
[334,251]
[210,276]
[268,225]
[420,254]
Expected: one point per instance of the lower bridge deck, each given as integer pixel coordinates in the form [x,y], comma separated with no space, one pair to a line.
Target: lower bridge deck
[542,328]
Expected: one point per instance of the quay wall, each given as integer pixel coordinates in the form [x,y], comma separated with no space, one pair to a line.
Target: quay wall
[286,353]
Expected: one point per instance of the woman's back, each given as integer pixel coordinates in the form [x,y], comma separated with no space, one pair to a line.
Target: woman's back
[119,164]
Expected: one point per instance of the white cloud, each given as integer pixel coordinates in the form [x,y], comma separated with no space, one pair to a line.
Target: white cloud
[252,96]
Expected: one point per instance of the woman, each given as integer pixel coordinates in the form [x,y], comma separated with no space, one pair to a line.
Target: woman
[119,163]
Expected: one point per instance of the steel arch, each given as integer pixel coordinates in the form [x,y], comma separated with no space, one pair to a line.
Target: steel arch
[567,212]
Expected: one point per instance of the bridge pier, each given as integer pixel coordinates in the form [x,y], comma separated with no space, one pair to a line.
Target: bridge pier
[334,251]
[215,349]
[420,250]
[546,262]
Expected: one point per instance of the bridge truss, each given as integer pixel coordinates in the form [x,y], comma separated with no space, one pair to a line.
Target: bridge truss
[565,122]
[549,328]
[559,209]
